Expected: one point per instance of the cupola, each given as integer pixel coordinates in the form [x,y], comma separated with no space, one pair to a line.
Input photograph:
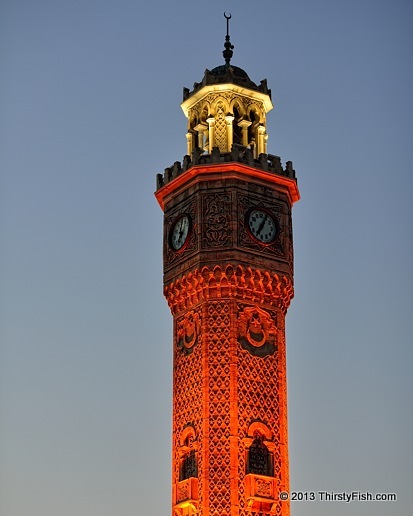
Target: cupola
[227,108]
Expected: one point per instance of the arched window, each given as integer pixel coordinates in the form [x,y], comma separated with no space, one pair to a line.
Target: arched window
[188,464]
[260,461]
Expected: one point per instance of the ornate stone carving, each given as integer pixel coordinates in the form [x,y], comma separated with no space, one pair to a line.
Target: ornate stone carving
[221,128]
[183,492]
[264,487]
[257,331]
[253,285]
[230,98]
[219,108]
[202,401]
[218,323]
[216,214]
[188,330]
[185,497]
[188,412]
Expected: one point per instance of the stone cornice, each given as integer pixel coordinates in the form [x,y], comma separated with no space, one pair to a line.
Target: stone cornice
[243,283]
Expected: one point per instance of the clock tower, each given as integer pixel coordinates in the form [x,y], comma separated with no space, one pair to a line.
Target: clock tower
[228,280]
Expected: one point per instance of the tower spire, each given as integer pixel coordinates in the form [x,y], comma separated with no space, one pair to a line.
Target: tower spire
[227,53]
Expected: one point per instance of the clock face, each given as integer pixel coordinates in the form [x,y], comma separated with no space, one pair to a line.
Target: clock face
[180,232]
[262,225]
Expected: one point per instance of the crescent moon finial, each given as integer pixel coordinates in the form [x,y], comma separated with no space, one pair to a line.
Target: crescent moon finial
[228,47]
[227,17]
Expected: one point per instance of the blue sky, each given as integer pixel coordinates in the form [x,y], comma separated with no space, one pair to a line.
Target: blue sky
[89,99]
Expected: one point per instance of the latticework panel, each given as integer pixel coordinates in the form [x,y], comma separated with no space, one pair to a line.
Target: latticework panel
[261,397]
[221,389]
[221,128]
[282,368]
[218,356]
[187,400]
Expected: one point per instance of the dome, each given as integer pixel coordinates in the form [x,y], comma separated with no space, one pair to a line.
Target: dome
[231,74]
[236,70]
[228,74]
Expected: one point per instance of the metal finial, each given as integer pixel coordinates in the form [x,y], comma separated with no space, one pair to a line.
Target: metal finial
[227,17]
[227,53]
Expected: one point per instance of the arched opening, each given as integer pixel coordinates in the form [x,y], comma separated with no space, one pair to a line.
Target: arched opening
[259,460]
[189,467]
[188,464]
[237,129]
[252,130]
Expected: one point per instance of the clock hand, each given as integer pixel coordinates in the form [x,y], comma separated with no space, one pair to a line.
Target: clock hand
[181,231]
[262,224]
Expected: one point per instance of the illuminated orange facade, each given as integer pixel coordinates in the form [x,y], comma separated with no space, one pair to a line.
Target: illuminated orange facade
[228,280]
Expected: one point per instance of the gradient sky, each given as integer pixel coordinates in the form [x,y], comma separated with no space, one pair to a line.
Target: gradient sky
[90,94]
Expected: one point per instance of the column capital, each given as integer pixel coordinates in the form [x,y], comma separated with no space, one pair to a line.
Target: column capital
[201,127]
[244,123]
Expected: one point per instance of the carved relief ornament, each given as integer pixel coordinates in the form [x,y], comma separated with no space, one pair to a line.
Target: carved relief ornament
[216,214]
[253,285]
[257,331]
[188,330]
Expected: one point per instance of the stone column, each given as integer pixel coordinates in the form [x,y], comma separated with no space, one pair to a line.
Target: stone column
[261,140]
[230,131]
[244,124]
[211,142]
[189,143]
[202,130]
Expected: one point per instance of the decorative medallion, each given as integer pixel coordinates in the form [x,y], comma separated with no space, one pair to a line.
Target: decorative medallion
[188,330]
[257,331]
